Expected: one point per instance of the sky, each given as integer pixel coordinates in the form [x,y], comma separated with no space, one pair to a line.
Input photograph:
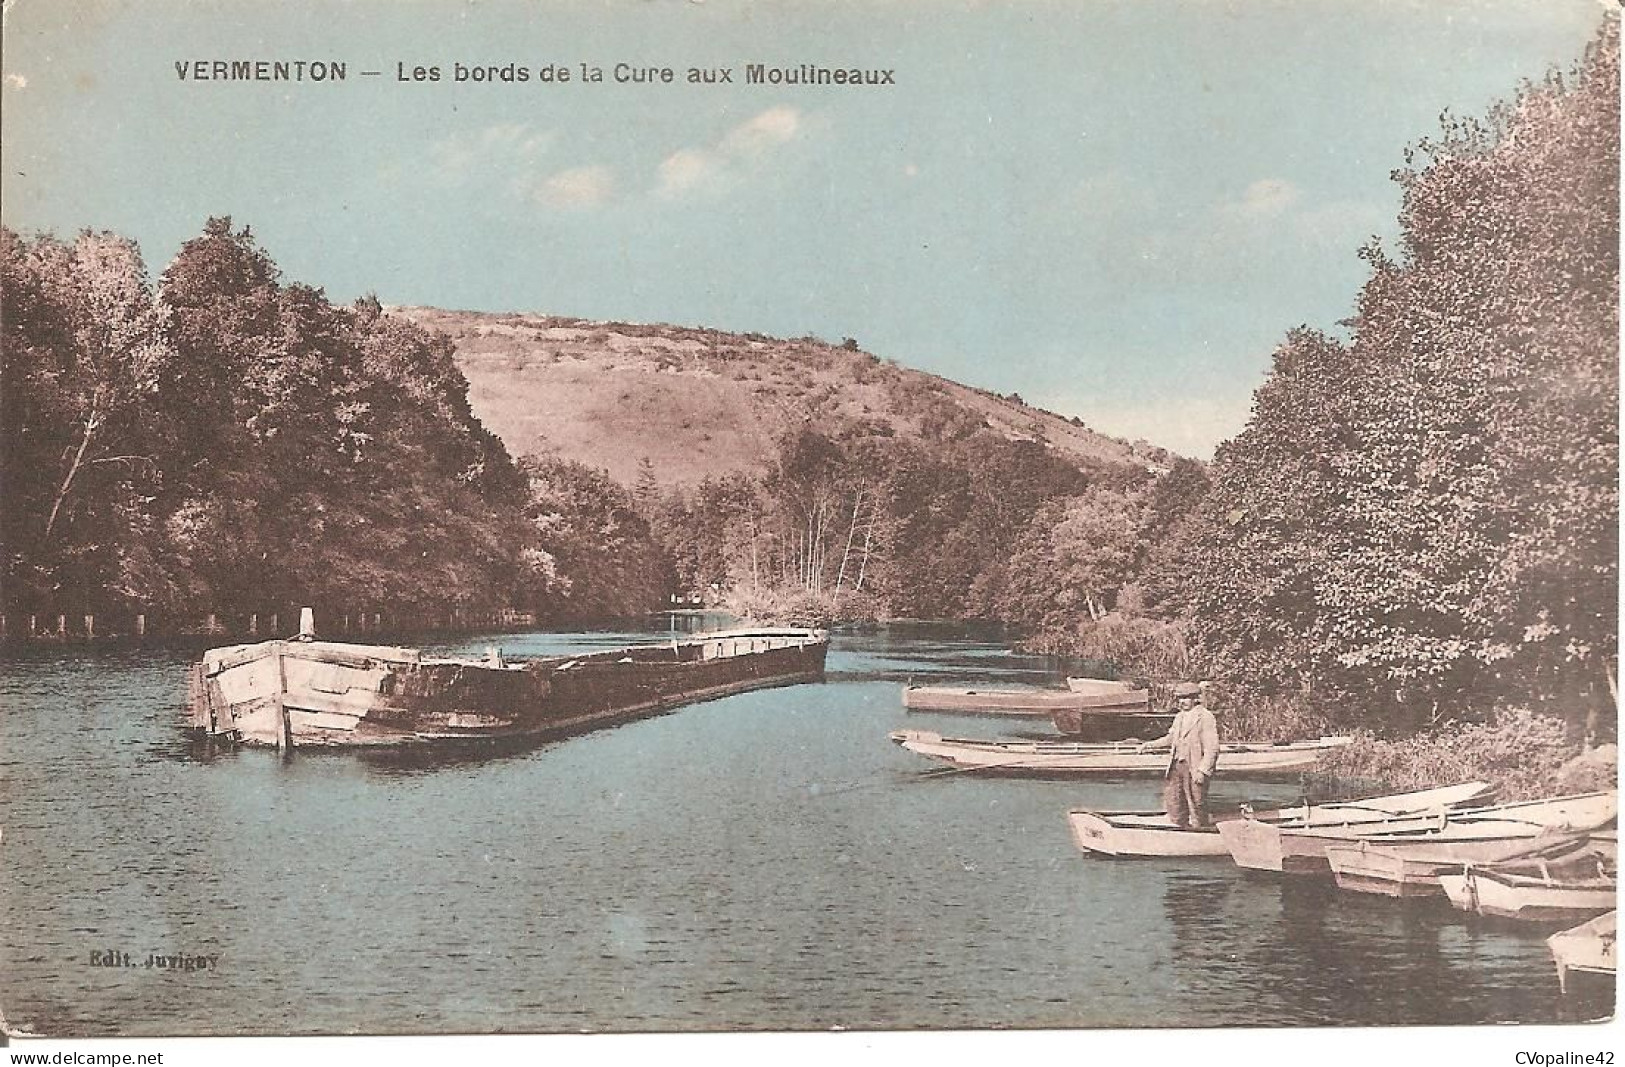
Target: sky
[1115,209]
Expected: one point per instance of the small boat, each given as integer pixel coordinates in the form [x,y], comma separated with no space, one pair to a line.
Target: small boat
[1099,686]
[1133,718]
[1465,835]
[1586,949]
[1149,833]
[1036,702]
[1069,758]
[1366,865]
[1111,724]
[321,693]
[1579,884]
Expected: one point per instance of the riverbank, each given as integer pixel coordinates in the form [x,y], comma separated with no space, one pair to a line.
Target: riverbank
[225,626]
[19,628]
[1525,755]
[798,607]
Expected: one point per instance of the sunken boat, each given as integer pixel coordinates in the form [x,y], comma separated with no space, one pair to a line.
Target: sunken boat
[309,694]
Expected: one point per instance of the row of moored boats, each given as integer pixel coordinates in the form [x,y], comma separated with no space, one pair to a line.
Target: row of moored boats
[1538,861]
[1549,861]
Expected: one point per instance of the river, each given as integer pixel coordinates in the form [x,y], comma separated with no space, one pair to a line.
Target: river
[768,861]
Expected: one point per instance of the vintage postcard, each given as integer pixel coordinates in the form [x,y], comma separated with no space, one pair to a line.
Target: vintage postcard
[907,517]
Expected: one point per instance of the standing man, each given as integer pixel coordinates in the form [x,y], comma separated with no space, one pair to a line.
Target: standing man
[1193,744]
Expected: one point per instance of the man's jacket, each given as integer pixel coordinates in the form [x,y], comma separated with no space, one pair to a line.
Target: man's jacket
[1194,738]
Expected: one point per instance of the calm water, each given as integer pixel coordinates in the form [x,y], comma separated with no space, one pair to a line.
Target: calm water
[766,861]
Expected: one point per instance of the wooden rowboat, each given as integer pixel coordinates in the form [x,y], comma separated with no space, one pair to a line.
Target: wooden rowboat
[1099,686]
[1366,865]
[1149,833]
[1578,885]
[1470,834]
[1069,758]
[1586,949]
[1036,702]
[1140,834]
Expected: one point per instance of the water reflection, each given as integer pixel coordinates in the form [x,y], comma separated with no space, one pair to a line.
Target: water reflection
[428,758]
[193,747]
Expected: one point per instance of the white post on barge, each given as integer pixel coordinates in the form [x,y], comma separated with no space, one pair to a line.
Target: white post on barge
[284,728]
[284,733]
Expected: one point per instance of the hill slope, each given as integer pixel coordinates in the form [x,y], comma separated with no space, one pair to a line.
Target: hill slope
[698,402]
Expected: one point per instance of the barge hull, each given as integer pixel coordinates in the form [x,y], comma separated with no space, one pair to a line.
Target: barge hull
[322,694]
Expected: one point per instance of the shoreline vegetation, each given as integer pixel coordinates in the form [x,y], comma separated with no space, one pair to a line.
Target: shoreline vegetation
[1414,539]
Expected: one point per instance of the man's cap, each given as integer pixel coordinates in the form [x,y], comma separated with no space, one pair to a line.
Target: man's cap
[1187,689]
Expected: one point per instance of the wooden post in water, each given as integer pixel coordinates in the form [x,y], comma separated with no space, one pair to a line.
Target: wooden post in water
[284,733]
[254,624]
[275,629]
[212,623]
[90,627]
[141,625]
[61,625]
[33,627]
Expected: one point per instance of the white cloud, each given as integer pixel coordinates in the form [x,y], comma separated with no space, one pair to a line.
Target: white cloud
[1272,207]
[502,148]
[579,187]
[736,154]
[1265,198]
[687,168]
[765,132]
[1239,240]
[16,81]
[708,168]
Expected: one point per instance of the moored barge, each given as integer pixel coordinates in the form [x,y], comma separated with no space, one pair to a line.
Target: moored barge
[308,693]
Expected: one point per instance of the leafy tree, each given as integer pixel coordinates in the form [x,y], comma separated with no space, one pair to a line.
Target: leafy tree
[84,351]
[237,444]
[590,546]
[1426,519]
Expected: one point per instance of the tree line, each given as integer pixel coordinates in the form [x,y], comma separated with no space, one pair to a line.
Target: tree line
[1420,522]
[852,523]
[224,440]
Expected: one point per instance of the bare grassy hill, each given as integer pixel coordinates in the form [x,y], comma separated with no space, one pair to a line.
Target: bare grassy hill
[699,402]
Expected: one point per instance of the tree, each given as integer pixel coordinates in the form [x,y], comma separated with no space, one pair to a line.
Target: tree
[1426,519]
[590,544]
[85,350]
